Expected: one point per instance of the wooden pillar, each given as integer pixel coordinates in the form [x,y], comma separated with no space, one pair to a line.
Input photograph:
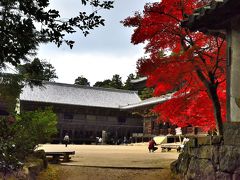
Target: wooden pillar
[234,71]
[228,69]
[61,135]
[73,135]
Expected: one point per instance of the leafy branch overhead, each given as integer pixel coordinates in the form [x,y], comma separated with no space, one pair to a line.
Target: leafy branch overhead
[20,19]
[32,74]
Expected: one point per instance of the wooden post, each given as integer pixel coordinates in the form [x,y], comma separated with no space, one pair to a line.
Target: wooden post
[234,71]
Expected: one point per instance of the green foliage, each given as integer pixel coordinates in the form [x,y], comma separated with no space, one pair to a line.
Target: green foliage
[20,36]
[49,72]
[19,137]
[146,93]
[104,84]
[33,73]
[128,85]
[115,82]
[9,157]
[82,81]
[10,88]
[38,125]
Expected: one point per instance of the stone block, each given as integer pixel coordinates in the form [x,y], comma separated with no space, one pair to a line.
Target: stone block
[237,171]
[193,142]
[232,133]
[215,156]
[223,176]
[236,174]
[193,152]
[41,155]
[183,163]
[216,140]
[200,169]
[229,158]
[34,170]
[174,166]
[204,140]
[236,177]
[205,152]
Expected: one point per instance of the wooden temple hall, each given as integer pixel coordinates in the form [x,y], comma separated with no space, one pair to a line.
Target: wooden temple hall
[86,112]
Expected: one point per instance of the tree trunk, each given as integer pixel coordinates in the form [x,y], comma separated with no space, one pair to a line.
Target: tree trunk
[212,93]
[217,109]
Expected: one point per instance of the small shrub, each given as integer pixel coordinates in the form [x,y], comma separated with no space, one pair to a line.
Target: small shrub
[19,138]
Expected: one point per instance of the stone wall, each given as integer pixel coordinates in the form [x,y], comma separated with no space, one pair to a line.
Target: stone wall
[34,164]
[211,157]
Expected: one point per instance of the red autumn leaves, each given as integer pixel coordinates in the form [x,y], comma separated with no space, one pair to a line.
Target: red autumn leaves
[190,63]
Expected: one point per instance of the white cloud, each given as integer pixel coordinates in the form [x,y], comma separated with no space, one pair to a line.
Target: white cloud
[95,67]
[105,52]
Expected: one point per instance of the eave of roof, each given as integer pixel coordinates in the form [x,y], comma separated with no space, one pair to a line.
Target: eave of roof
[214,16]
[148,102]
[142,79]
[68,104]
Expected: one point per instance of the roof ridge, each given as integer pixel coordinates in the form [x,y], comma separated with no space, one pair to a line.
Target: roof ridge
[140,79]
[90,87]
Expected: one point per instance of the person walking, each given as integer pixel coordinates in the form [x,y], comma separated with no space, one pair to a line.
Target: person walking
[66,139]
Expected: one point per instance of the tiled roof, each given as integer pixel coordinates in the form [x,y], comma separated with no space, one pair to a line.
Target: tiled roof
[79,95]
[213,16]
[148,102]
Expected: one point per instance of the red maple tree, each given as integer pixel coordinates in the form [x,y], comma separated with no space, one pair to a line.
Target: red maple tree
[194,64]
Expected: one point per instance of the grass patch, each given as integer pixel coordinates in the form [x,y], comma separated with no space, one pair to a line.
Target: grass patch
[51,173]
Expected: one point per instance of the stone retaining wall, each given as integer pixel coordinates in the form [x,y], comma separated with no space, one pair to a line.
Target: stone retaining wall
[32,167]
[211,157]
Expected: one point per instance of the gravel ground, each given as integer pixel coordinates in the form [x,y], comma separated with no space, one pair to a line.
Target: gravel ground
[105,162]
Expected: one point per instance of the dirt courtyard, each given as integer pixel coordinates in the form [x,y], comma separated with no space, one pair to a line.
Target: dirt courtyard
[111,162]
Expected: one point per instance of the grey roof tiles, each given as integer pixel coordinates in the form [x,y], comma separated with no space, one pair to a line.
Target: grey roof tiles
[79,95]
[212,16]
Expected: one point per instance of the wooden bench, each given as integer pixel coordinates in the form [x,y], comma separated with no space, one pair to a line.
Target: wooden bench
[65,155]
[169,146]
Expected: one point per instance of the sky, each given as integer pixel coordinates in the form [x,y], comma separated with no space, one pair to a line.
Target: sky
[106,51]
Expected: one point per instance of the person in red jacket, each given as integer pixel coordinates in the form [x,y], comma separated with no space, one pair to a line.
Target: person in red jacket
[151,145]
